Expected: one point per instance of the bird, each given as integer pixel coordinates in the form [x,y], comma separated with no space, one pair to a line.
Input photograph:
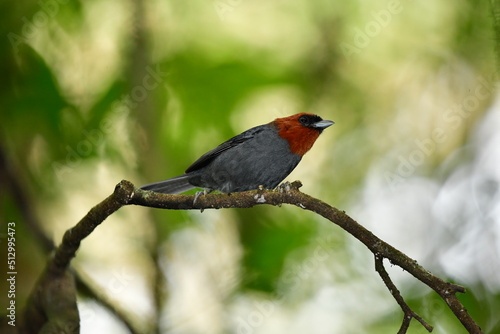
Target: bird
[262,156]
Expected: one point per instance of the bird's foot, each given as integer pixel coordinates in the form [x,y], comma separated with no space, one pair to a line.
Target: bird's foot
[199,193]
[286,186]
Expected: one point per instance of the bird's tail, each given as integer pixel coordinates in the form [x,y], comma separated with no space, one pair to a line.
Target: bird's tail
[175,185]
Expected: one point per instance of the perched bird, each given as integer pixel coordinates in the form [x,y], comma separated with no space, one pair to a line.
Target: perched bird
[261,156]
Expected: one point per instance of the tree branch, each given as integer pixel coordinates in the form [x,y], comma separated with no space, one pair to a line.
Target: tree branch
[126,194]
[408,312]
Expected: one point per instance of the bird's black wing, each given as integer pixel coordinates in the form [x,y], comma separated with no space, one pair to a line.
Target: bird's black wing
[206,158]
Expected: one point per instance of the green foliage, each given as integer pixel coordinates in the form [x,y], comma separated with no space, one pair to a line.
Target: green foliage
[260,235]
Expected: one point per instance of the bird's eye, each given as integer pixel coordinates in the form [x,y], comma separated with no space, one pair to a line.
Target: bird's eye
[304,120]
[309,120]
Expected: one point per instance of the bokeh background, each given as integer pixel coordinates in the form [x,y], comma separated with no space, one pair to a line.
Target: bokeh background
[93,92]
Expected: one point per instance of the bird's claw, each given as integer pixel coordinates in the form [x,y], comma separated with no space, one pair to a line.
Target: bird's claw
[284,187]
[199,193]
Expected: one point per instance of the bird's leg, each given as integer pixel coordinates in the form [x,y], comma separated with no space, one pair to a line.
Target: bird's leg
[199,193]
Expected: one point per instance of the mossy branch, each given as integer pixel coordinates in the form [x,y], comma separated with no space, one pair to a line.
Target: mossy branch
[126,194]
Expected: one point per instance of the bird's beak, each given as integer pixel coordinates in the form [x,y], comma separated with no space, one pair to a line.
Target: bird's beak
[323,124]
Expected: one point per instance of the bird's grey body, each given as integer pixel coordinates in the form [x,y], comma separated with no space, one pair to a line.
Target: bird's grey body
[244,162]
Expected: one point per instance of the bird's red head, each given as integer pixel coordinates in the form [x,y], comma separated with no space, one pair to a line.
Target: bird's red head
[301,130]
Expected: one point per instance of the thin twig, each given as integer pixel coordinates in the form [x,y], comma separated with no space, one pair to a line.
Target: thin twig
[408,312]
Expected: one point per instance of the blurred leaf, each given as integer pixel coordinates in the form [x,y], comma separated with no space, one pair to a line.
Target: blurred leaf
[209,91]
[36,100]
[268,235]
